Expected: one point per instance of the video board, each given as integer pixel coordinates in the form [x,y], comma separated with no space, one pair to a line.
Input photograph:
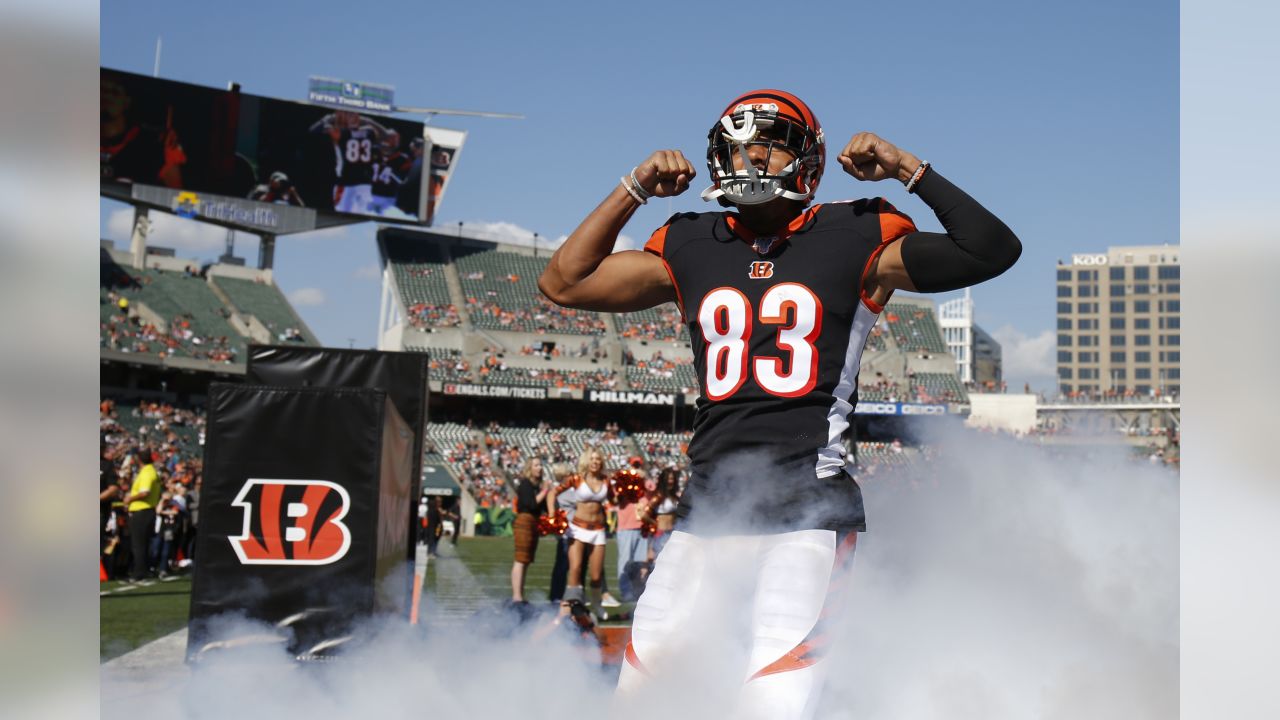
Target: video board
[193,138]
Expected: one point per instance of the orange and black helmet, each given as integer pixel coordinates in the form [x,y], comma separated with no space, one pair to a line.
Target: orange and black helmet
[773,118]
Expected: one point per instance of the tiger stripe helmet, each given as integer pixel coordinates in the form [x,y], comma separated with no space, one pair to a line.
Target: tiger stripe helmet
[772,118]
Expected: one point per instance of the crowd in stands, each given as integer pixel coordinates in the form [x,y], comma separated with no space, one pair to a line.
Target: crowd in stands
[540,315]
[660,373]
[1127,395]
[486,460]
[915,387]
[914,328]
[592,350]
[129,333]
[426,316]
[660,323]
[148,439]
[664,449]
[493,369]
[450,367]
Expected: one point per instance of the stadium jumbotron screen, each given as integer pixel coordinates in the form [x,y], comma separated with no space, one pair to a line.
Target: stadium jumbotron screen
[188,137]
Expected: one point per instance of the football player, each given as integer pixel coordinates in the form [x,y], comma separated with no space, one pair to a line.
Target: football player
[278,190]
[356,140]
[389,173]
[779,296]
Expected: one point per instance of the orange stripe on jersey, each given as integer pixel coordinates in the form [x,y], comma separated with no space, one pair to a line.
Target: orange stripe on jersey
[676,285]
[893,224]
[866,269]
[800,657]
[737,227]
[657,241]
[634,660]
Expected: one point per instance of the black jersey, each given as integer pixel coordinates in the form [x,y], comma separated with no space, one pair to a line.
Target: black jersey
[390,173]
[777,326]
[354,152]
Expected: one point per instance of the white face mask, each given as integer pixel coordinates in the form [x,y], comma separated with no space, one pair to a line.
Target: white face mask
[749,186]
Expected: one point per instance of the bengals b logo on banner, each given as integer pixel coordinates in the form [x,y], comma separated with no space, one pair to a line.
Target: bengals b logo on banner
[760,269]
[292,522]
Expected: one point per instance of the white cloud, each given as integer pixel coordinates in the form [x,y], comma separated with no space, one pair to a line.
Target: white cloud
[367,272]
[181,234]
[504,232]
[303,297]
[510,233]
[1027,359]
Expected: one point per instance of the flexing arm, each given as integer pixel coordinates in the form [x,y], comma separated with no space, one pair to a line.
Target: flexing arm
[976,247]
[585,273]
[378,128]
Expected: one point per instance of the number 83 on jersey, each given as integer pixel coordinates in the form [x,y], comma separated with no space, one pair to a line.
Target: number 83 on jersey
[726,319]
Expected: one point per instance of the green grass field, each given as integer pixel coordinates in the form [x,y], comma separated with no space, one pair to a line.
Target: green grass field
[129,618]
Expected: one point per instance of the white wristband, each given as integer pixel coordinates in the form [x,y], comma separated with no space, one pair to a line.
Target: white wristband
[626,185]
[638,187]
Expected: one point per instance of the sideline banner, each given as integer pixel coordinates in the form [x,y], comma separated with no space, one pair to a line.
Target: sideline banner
[898,408]
[496,391]
[302,512]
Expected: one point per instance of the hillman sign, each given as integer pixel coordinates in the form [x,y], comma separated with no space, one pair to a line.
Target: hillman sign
[634,398]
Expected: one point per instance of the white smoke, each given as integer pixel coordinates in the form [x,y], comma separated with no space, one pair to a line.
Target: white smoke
[1000,579]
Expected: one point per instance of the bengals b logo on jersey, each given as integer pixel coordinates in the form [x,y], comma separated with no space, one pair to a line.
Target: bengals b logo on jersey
[760,269]
[292,522]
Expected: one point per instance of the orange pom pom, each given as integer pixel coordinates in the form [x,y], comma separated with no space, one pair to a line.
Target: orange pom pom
[628,486]
[557,525]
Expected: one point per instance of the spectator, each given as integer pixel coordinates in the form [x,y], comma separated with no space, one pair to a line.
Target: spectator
[531,494]
[633,547]
[144,495]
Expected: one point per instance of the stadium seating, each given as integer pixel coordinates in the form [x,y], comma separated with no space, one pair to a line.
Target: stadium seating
[914,328]
[875,339]
[446,364]
[660,449]
[501,290]
[884,453]
[486,460]
[196,321]
[420,274]
[677,379]
[660,323]
[938,387]
[548,377]
[265,302]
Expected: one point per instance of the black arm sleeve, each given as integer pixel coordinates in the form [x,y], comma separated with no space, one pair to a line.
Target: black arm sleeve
[977,246]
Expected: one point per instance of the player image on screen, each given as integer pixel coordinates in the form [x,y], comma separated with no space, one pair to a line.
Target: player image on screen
[779,297]
[278,190]
[128,150]
[356,144]
[411,191]
[390,172]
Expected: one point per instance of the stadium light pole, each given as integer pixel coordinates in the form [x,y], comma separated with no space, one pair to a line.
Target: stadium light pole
[535,246]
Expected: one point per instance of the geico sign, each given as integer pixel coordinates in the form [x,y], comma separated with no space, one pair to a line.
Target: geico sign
[1088,259]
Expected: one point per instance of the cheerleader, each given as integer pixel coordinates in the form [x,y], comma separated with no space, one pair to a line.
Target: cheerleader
[590,488]
[660,509]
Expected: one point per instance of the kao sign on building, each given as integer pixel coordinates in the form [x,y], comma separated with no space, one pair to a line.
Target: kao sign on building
[1092,259]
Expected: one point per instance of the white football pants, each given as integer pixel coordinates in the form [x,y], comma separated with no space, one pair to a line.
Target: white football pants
[780,588]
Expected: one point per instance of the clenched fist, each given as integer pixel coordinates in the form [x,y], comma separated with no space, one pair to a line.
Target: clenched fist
[869,157]
[665,173]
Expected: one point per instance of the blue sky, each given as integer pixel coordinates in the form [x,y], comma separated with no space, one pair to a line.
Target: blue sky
[1062,118]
